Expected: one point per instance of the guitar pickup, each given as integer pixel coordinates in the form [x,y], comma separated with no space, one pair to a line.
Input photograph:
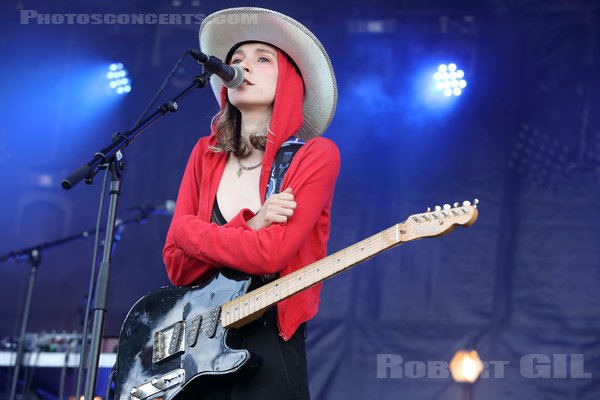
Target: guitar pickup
[195,328]
[168,342]
[213,320]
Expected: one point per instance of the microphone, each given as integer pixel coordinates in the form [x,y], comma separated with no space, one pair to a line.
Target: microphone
[164,208]
[231,75]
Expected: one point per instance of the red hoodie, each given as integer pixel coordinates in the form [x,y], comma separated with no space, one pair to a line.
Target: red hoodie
[195,248]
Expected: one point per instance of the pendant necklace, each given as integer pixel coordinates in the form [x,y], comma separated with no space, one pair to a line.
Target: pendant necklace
[243,168]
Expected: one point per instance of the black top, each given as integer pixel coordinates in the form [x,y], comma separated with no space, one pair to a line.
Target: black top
[218,219]
[216,215]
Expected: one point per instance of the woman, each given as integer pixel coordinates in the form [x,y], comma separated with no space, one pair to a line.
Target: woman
[224,215]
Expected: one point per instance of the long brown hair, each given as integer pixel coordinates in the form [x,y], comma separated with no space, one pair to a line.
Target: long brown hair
[227,126]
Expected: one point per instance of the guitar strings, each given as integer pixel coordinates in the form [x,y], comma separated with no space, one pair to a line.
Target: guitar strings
[434,218]
[327,262]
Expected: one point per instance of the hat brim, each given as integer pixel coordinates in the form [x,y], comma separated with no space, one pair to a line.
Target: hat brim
[224,29]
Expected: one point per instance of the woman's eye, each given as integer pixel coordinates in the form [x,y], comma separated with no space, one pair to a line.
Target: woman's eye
[263,58]
[236,61]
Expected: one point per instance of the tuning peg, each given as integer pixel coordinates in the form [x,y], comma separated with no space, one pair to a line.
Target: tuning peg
[447,206]
[466,203]
[428,209]
[475,202]
[456,205]
[438,208]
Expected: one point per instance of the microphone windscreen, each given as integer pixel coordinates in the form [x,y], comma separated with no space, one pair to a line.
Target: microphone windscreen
[237,80]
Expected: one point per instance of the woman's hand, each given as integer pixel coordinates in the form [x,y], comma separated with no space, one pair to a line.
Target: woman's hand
[278,208]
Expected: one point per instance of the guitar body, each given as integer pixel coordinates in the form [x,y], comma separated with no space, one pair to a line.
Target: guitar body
[184,364]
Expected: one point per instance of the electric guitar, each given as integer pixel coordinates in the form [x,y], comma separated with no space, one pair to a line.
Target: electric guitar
[173,341]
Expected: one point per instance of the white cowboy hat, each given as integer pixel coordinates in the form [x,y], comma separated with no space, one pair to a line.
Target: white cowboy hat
[224,29]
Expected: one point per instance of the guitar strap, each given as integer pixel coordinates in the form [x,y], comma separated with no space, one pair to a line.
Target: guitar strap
[282,162]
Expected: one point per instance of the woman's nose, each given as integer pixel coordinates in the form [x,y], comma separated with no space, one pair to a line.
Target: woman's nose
[244,66]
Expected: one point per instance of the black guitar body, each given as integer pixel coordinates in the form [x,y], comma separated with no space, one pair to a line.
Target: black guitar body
[172,344]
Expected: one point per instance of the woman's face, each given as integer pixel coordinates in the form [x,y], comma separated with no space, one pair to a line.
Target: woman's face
[259,62]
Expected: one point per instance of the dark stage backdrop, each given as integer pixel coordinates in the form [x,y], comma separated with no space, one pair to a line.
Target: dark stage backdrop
[520,286]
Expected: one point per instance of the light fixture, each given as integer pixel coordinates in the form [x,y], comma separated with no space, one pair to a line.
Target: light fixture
[466,366]
[450,80]
[118,80]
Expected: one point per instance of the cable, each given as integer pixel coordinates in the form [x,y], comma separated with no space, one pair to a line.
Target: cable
[84,340]
[63,376]
[111,378]
[161,89]
[30,372]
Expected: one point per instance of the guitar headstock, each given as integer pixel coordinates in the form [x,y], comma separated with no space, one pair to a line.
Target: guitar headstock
[441,220]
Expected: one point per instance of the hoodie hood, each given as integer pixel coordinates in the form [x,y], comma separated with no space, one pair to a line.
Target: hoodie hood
[287,117]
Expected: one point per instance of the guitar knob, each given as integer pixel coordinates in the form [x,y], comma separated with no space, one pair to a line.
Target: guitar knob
[135,392]
[438,208]
[447,206]
[466,203]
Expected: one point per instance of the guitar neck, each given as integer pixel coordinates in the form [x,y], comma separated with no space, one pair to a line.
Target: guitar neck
[440,222]
[246,308]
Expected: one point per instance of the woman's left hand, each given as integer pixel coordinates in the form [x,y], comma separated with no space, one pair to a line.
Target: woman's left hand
[278,208]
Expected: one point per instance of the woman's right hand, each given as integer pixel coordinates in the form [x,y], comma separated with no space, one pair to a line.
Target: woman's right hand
[278,208]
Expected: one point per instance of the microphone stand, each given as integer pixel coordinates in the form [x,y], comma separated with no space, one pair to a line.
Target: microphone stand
[34,252]
[112,156]
[33,256]
[35,259]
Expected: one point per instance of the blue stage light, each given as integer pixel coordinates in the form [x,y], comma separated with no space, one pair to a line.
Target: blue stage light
[117,75]
[449,80]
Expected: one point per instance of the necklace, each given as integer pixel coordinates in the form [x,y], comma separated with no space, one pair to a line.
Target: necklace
[243,168]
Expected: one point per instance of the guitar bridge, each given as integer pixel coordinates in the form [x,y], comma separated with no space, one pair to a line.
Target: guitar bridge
[158,385]
[168,342]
